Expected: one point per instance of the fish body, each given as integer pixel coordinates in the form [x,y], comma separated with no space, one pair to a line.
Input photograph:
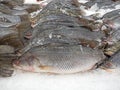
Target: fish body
[59,59]
[112,19]
[102,3]
[6,49]
[115,60]
[5,9]
[6,68]
[10,18]
[69,35]
[112,49]
[10,36]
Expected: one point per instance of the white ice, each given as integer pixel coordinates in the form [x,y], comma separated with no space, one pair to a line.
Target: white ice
[95,80]
[36,2]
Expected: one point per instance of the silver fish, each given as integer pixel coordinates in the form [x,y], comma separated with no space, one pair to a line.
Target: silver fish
[10,18]
[59,59]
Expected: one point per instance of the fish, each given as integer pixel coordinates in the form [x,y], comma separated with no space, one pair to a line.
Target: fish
[115,60]
[5,9]
[10,36]
[112,49]
[12,3]
[7,31]
[62,59]
[19,12]
[6,25]
[102,4]
[112,19]
[57,17]
[9,3]
[53,20]
[6,69]
[115,36]
[75,32]
[90,23]
[6,49]
[10,18]
[112,62]
[58,7]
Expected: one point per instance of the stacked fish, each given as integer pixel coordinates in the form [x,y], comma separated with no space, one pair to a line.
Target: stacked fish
[14,21]
[64,37]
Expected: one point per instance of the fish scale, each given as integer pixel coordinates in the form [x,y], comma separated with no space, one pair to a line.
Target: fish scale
[53,47]
[61,59]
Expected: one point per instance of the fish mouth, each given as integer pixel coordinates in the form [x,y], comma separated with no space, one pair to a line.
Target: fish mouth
[24,68]
[16,64]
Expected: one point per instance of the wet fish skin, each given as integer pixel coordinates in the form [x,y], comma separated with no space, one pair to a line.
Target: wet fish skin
[90,23]
[102,3]
[12,2]
[19,2]
[56,21]
[59,6]
[7,25]
[59,59]
[9,3]
[6,69]
[115,36]
[7,31]
[67,35]
[57,17]
[5,72]
[112,49]
[115,60]
[32,8]
[19,12]
[10,40]
[111,14]
[74,33]
[112,19]
[5,9]
[9,36]
[10,18]
[6,49]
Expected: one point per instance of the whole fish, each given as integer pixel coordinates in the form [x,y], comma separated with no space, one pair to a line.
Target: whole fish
[59,59]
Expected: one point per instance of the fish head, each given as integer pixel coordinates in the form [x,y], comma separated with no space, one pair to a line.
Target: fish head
[27,62]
